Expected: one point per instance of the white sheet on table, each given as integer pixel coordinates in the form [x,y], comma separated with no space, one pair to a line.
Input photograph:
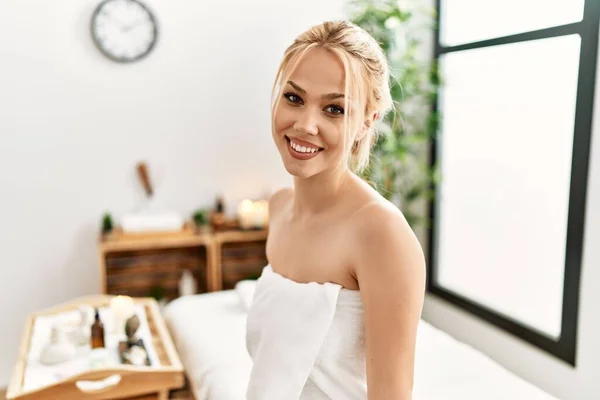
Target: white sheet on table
[446,368]
[209,331]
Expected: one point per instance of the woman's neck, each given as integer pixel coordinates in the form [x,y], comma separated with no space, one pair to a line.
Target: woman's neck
[320,192]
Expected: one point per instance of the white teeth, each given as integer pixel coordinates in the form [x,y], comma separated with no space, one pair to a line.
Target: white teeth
[302,149]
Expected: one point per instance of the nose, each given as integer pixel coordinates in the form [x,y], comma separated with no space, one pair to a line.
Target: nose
[307,122]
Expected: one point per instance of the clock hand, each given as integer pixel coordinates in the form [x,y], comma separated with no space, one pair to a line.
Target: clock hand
[130,27]
[122,25]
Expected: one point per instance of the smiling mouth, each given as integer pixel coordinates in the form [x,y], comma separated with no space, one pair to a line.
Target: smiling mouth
[300,152]
[301,149]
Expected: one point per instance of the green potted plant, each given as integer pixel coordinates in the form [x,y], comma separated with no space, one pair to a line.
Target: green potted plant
[107,223]
[200,217]
[399,167]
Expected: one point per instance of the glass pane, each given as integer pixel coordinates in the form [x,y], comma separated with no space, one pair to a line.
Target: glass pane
[507,135]
[464,21]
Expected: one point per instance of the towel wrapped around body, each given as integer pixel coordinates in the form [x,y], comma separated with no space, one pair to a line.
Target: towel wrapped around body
[306,341]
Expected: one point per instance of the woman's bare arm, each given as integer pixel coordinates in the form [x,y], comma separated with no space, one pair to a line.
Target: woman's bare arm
[390,269]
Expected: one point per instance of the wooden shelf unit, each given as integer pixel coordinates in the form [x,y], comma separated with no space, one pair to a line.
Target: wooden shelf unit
[216,259]
[238,255]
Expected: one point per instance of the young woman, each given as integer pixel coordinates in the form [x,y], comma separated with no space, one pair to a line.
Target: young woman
[335,313]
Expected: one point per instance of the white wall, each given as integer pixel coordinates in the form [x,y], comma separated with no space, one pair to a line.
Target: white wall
[73,124]
[547,372]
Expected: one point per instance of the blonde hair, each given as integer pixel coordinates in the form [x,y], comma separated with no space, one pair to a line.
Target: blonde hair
[367,78]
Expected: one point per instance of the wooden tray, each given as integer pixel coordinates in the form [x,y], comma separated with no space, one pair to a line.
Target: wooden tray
[133,381]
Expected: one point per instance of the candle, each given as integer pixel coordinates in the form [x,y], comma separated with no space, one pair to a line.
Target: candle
[245,213]
[121,307]
[261,214]
[253,214]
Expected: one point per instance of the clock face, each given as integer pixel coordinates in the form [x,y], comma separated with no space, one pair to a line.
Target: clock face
[124,30]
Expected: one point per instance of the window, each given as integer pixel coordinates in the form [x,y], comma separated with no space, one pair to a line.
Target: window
[516,107]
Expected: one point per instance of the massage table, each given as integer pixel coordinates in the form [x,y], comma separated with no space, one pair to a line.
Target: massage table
[209,333]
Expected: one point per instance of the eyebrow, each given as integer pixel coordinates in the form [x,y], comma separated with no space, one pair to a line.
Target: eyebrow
[330,96]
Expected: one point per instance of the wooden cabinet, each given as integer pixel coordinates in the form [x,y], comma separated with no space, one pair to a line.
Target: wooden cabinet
[238,255]
[217,260]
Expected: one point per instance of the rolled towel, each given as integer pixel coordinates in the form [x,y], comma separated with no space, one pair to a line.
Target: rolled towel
[152,222]
[245,289]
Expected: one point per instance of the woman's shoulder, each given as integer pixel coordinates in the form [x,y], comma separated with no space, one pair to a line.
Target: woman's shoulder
[279,199]
[384,247]
[376,216]
[380,224]
[371,209]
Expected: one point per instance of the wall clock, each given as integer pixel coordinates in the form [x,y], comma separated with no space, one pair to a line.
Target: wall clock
[124,30]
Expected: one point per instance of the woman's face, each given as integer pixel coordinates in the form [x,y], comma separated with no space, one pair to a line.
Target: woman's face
[308,124]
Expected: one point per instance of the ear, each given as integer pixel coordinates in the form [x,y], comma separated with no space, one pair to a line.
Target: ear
[366,126]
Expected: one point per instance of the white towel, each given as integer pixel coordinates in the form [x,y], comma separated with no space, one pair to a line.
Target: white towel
[245,290]
[286,329]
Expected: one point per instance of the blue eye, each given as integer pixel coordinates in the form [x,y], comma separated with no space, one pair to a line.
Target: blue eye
[292,98]
[335,110]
